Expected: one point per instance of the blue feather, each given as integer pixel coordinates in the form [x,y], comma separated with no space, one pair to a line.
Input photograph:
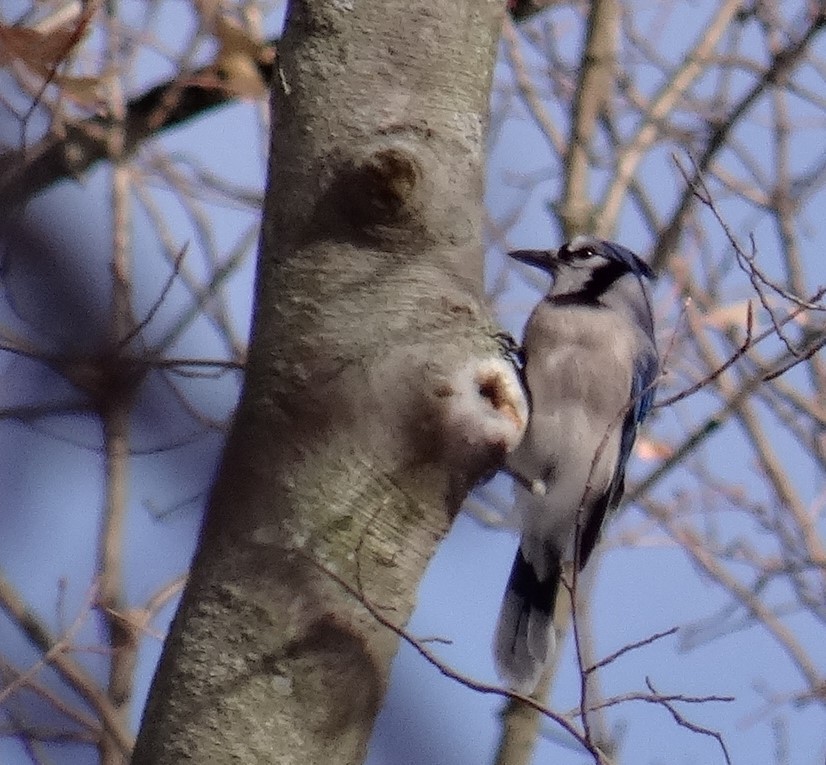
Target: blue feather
[642,397]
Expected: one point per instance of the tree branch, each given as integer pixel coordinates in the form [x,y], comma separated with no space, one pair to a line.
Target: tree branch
[27,171]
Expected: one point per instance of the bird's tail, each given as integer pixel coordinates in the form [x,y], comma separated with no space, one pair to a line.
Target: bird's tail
[524,635]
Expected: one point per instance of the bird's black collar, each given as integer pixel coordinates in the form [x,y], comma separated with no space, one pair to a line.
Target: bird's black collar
[590,293]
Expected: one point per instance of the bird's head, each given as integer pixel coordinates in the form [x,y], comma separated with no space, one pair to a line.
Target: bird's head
[585,254]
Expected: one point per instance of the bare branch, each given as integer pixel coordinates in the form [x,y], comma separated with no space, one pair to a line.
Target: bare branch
[27,172]
[693,65]
[597,74]
[781,64]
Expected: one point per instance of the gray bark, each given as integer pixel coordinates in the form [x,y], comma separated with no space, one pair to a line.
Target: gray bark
[372,401]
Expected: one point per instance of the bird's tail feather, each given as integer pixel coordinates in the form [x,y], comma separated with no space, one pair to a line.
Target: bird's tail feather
[524,636]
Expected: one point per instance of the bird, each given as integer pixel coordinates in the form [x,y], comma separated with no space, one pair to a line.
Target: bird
[590,371]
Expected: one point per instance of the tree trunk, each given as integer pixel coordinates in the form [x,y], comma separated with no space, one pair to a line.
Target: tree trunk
[376,392]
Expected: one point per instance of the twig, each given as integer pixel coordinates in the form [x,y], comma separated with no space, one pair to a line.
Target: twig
[71,672]
[630,647]
[681,721]
[744,347]
[155,307]
[448,671]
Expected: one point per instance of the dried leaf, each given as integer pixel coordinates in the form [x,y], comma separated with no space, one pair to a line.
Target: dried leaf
[649,449]
[38,51]
[238,59]
[82,90]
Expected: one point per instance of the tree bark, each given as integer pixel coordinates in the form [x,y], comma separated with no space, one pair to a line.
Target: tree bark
[376,392]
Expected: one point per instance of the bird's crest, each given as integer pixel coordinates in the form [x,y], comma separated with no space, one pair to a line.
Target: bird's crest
[586,246]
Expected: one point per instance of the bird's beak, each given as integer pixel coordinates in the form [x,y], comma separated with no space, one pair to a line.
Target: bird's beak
[542,259]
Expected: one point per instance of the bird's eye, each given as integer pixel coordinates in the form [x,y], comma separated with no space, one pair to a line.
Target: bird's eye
[576,253]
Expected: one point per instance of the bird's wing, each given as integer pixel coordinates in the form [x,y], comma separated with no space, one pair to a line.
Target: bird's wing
[644,374]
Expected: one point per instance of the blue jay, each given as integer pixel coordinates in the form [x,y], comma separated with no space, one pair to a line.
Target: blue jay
[590,367]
